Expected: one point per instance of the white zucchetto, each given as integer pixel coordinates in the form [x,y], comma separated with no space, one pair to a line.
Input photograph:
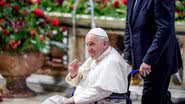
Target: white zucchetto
[98,31]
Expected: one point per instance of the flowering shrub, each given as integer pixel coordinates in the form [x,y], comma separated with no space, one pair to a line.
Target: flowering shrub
[24,26]
[113,8]
[180,10]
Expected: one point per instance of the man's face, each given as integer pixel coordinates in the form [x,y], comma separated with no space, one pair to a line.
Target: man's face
[95,46]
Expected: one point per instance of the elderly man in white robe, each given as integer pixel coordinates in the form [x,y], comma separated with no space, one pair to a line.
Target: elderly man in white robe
[103,73]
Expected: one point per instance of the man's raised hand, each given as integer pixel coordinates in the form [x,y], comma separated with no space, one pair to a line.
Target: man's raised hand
[73,67]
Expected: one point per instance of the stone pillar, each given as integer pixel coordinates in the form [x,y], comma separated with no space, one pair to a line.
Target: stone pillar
[183,58]
[71,46]
[181,39]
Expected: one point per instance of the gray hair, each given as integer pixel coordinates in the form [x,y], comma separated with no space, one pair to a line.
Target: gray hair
[102,38]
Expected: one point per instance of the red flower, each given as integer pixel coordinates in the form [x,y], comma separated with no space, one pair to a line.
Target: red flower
[97,1]
[55,22]
[14,44]
[1,20]
[18,25]
[16,8]
[116,3]
[181,13]
[47,19]
[41,37]
[2,2]
[60,1]
[39,1]
[33,32]
[24,12]
[105,2]
[64,28]
[124,2]
[5,32]
[177,10]
[8,5]
[38,12]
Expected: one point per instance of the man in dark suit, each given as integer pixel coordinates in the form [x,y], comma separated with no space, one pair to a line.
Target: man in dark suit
[151,46]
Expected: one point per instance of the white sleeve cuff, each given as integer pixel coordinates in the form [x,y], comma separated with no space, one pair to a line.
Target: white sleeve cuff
[74,81]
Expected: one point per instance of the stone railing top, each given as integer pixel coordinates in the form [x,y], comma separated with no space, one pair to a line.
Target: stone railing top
[103,21]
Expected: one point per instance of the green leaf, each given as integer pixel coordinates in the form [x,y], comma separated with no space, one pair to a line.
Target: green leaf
[18,36]
[45,49]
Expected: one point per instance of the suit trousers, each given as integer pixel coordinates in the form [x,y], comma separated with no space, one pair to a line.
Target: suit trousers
[155,88]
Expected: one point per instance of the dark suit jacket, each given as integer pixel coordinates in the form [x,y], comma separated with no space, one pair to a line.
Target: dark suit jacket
[150,35]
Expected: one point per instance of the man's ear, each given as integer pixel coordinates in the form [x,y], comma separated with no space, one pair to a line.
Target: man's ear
[105,44]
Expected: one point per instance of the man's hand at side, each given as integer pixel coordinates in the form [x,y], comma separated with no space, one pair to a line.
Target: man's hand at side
[145,69]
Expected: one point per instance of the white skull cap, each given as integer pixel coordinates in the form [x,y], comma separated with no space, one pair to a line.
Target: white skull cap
[98,31]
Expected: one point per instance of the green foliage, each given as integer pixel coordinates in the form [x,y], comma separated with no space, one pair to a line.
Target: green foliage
[24,26]
[101,7]
[180,10]
[104,8]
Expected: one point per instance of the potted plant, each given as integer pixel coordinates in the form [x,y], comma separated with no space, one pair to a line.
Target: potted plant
[25,35]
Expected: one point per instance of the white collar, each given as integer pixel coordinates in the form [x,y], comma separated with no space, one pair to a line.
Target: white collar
[105,53]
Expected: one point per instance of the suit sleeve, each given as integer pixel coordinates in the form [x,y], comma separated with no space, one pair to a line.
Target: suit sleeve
[127,45]
[164,20]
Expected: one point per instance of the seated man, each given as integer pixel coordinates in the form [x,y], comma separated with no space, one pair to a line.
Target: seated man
[104,73]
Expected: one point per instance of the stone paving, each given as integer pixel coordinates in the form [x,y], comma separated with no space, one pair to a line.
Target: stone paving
[32,100]
[177,94]
[36,100]
[37,82]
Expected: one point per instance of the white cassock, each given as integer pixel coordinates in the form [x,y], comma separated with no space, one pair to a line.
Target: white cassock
[98,79]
